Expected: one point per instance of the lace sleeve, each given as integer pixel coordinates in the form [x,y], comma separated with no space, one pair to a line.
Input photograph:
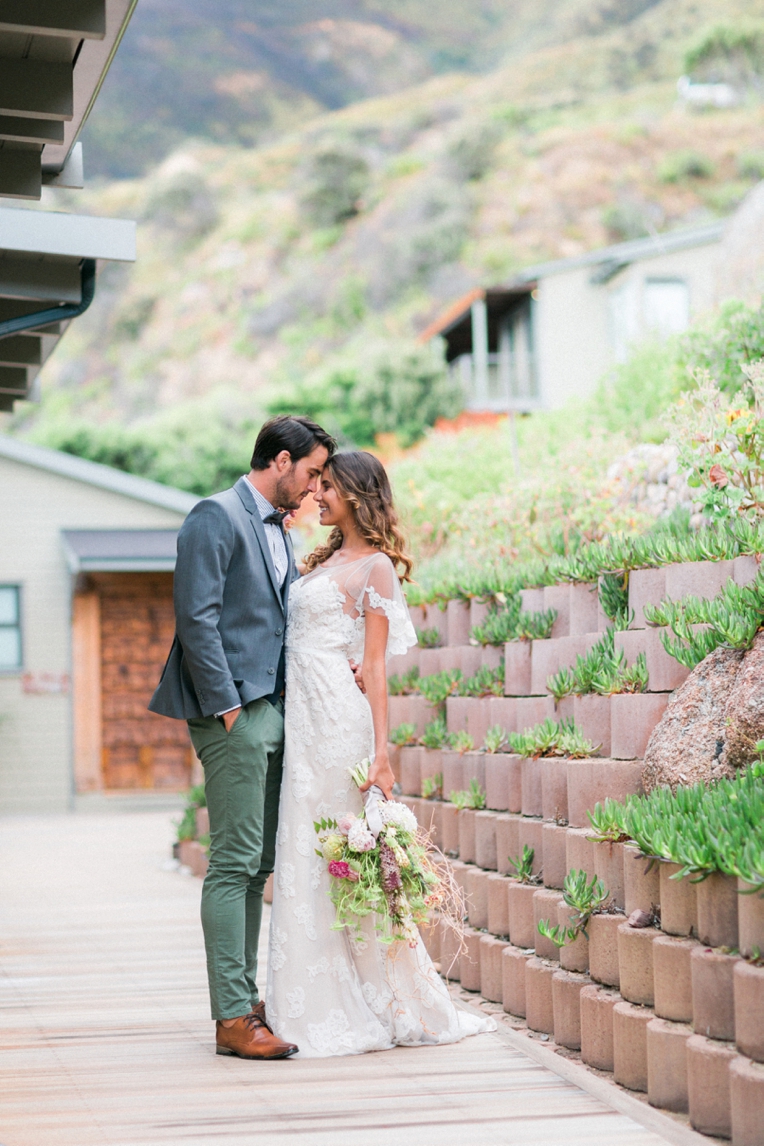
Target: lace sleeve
[381,593]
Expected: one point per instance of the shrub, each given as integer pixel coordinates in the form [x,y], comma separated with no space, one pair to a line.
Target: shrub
[585,898]
[681,165]
[731,52]
[721,445]
[401,390]
[750,165]
[722,346]
[186,826]
[523,865]
[435,734]
[428,638]
[336,180]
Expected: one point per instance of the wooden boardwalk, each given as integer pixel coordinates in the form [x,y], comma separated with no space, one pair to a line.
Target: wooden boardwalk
[107,1041]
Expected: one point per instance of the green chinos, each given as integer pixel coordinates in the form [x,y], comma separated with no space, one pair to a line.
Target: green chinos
[242,781]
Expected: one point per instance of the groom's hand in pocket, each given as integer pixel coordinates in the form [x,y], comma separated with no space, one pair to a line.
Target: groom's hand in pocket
[230,718]
[358,674]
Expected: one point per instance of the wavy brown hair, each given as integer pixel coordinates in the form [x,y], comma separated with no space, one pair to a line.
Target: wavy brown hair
[360,479]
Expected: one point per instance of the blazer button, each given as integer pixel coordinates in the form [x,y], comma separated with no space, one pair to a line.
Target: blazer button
[279,632]
[271,672]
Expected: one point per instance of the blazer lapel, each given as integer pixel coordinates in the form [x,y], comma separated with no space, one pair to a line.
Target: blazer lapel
[248,501]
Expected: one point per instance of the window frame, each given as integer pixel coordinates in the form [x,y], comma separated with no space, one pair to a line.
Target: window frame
[15,670]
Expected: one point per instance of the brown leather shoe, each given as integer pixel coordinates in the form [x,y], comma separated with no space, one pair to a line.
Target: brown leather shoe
[259,1010]
[249,1037]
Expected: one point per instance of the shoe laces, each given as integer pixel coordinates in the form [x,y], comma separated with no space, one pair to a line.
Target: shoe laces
[253,1020]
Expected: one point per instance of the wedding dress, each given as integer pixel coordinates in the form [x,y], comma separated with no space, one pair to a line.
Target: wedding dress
[329,992]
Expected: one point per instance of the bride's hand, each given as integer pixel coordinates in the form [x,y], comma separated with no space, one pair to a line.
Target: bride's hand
[381,774]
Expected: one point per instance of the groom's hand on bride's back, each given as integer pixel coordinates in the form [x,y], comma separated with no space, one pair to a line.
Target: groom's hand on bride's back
[358,674]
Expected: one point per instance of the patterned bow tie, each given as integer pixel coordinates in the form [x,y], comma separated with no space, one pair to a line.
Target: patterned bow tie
[275,518]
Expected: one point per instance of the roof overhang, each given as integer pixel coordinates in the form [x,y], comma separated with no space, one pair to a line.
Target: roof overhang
[92,473]
[120,550]
[43,255]
[455,324]
[54,56]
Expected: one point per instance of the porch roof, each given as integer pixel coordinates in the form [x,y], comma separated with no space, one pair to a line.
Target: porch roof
[120,550]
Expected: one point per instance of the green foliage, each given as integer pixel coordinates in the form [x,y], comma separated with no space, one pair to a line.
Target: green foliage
[614,597]
[731,52]
[401,389]
[607,821]
[435,734]
[199,447]
[551,739]
[473,798]
[660,546]
[432,786]
[440,685]
[495,739]
[485,682]
[404,683]
[635,393]
[602,669]
[585,899]
[703,830]
[429,638]
[733,618]
[402,735]
[750,165]
[336,180]
[721,345]
[687,164]
[511,624]
[461,741]
[523,865]
[721,445]
[186,826]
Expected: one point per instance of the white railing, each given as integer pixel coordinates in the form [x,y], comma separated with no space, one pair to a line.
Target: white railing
[498,387]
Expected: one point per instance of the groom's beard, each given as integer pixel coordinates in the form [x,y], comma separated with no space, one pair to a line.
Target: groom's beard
[286,497]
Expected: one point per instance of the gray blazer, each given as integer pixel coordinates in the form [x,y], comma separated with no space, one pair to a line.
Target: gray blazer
[230,614]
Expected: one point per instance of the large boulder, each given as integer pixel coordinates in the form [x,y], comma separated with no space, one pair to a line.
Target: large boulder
[687,745]
[745,708]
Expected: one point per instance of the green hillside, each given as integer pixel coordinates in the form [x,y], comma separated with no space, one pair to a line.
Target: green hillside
[302,269]
[246,70]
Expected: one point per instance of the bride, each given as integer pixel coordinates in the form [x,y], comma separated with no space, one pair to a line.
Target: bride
[331,992]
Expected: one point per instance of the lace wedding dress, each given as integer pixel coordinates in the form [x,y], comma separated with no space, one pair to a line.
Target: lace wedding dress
[327,992]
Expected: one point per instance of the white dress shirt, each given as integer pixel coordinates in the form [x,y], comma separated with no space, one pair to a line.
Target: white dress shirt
[274,535]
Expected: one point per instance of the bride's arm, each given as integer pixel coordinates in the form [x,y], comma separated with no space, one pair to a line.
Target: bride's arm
[375,678]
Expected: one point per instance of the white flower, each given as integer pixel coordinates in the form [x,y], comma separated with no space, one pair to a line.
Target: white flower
[393,812]
[360,838]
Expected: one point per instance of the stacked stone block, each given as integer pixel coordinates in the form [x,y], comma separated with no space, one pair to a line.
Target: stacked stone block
[671,1009]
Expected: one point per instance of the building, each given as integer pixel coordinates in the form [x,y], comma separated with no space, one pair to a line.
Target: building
[552,332]
[53,61]
[86,621]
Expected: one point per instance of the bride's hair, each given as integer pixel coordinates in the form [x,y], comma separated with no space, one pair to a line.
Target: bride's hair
[360,479]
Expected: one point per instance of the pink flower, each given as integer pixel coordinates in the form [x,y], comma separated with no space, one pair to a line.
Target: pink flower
[345,823]
[340,869]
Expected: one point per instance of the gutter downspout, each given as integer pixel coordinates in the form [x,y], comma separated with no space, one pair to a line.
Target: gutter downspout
[56,313]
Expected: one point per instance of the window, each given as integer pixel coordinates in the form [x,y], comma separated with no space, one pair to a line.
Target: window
[666,305]
[10,628]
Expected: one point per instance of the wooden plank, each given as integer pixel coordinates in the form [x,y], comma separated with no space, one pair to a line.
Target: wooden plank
[20,173]
[86,690]
[31,130]
[104,1017]
[20,350]
[36,89]
[83,19]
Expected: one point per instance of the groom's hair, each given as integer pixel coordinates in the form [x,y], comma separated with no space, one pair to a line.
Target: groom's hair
[298,435]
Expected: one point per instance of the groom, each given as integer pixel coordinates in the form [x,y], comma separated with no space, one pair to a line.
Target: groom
[225,676]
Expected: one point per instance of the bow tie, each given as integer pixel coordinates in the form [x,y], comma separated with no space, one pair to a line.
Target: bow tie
[275,518]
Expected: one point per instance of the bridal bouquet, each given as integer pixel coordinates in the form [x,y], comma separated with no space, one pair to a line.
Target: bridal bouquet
[381,863]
